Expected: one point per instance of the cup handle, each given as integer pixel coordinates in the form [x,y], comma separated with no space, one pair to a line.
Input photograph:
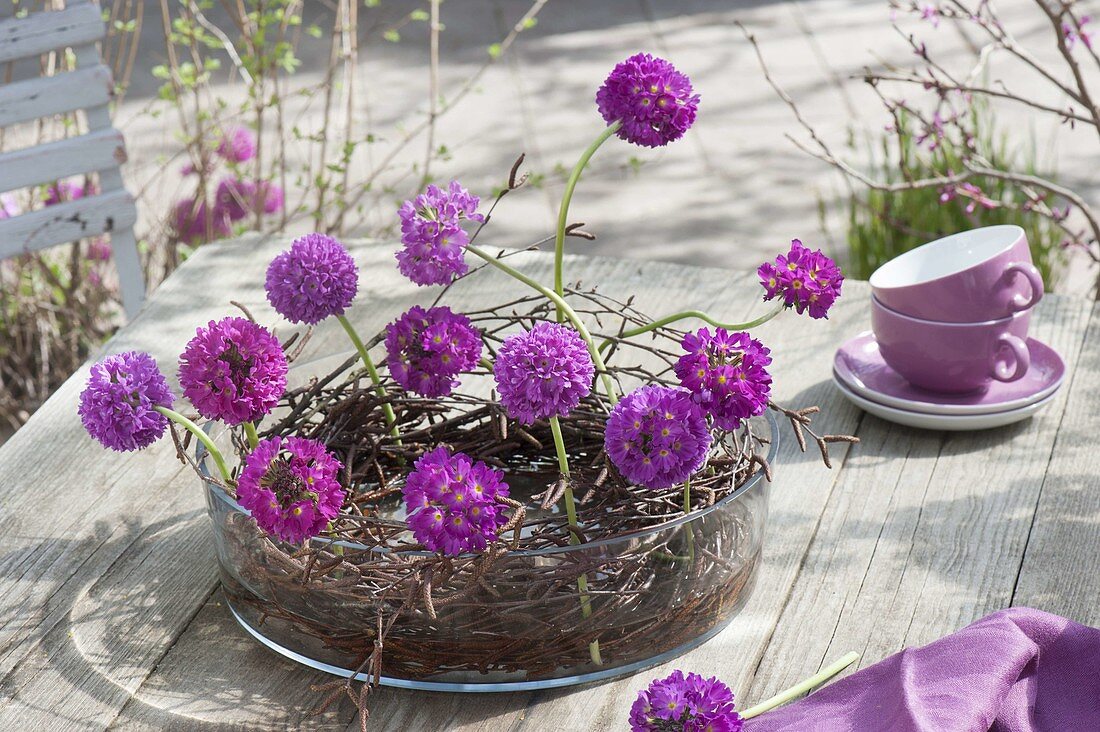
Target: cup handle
[1015,368]
[1031,274]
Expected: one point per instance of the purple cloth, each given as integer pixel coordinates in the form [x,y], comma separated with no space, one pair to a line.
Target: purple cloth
[1015,670]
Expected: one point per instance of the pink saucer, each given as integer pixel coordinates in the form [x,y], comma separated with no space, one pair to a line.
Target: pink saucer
[859,366]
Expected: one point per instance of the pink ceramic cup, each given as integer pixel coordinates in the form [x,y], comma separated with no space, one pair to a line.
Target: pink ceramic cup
[952,357]
[969,277]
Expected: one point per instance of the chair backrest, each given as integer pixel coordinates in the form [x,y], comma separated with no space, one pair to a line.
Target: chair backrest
[101,150]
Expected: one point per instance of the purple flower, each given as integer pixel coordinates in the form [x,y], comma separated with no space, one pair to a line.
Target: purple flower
[543,373]
[427,349]
[233,370]
[290,487]
[434,242]
[679,702]
[237,145]
[657,436]
[806,280]
[191,219]
[451,502]
[118,405]
[315,279]
[726,374]
[653,100]
[235,197]
[99,250]
[274,198]
[9,207]
[930,13]
[1078,32]
[67,190]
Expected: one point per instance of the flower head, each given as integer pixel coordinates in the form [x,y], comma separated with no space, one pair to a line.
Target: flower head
[726,374]
[427,349]
[653,100]
[233,370]
[9,207]
[451,502]
[543,373]
[806,280]
[289,486]
[685,702]
[657,436]
[191,220]
[432,236]
[236,197]
[67,190]
[237,145]
[118,405]
[314,279]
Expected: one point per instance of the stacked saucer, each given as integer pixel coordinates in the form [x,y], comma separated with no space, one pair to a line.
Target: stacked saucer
[866,380]
[949,347]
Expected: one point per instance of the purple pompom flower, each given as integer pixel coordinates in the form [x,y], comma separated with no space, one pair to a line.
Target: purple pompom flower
[118,407]
[289,486]
[451,502]
[657,436]
[653,100]
[236,197]
[233,370]
[434,242]
[806,280]
[543,373]
[237,145]
[273,196]
[315,279]
[9,207]
[427,349]
[726,374]
[67,190]
[678,702]
[191,220]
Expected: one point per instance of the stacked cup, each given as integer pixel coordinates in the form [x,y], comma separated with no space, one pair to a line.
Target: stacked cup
[952,316]
[949,347]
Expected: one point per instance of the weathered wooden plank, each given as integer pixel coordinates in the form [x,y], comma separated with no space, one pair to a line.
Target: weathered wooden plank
[95,151]
[923,533]
[1061,567]
[66,222]
[41,32]
[23,101]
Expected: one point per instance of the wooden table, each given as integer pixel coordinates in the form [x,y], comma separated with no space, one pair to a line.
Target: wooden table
[111,614]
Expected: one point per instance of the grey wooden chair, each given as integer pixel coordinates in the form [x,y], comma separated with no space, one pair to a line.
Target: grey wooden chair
[100,150]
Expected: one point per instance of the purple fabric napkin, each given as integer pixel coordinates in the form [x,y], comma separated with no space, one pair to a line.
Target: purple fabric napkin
[1015,670]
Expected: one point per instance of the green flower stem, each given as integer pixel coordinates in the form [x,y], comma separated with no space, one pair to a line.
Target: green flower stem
[700,316]
[486,364]
[250,432]
[563,210]
[201,436]
[597,357]
[687,524]
[571,514]
[387,408]
[798,690]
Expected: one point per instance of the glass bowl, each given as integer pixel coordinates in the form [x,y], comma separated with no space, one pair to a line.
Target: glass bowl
[509,622]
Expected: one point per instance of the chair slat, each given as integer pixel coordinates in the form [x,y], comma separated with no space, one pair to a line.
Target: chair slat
[67,222]
[97,150]
[23,101]
[49,30]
